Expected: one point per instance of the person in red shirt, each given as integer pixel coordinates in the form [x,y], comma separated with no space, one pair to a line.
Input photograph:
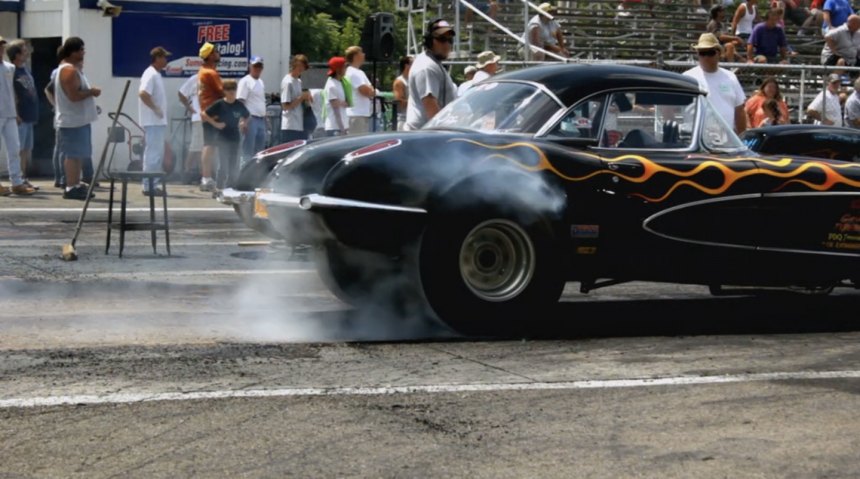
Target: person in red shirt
[209,90]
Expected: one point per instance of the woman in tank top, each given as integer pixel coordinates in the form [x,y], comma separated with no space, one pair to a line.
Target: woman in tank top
[401,91]
[745,16]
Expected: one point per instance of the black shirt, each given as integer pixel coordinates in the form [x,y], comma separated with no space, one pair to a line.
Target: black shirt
[230,114]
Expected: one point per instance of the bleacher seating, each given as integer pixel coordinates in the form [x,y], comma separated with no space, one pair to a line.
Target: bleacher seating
[648,31]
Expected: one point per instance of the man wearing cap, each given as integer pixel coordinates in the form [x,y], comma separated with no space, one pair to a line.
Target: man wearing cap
[825,108]
[488,65]
[9,127]
[544,32]
[293,99]
[724,90]
[430,84]
[252,93]
[152,108]
[210,89]
[469,74]
[852,107]
[336,99]
[363,92]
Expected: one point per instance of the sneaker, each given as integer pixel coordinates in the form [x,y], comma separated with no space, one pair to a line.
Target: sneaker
[207,184]
[158,192]
[5,191]
[61,185]
[23,190]
[77,193]
[31,185]
[90,180]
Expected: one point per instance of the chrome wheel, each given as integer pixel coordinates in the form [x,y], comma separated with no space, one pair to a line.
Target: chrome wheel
[497,260]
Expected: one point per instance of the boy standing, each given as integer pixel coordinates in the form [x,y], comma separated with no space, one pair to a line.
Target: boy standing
[230,118]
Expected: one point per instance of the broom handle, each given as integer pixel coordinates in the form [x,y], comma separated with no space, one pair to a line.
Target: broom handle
[98,171]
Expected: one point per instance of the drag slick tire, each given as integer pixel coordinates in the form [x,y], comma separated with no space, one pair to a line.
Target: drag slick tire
[362,278]
[486,271]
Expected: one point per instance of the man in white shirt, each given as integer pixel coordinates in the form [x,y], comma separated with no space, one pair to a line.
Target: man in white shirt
[335,103]
[842,44]
[488,65]
[852,107]
[469,74]
[724,90]
[430,84]
[191,101]
[152,107]
[252,92]
[825,107]
[293,99]
[543,31]
[363,93]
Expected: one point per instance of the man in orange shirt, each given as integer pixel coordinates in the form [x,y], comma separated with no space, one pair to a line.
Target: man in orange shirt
[209,90]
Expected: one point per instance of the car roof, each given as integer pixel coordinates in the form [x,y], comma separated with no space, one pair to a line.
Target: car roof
[780,130]
[572,83]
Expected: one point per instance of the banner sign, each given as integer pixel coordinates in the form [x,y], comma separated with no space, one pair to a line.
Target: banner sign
[11,5]
[135,34]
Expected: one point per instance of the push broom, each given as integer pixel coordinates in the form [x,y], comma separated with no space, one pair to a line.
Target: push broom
[69,253]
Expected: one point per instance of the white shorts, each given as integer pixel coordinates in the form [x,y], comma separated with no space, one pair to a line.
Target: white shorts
[196,137]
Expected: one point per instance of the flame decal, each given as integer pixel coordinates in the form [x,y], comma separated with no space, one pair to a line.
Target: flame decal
[687,178]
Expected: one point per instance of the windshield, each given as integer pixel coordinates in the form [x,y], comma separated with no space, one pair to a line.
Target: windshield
[501,106]
[717,135]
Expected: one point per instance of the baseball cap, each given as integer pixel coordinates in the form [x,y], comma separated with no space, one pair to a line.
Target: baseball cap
[440,27]
[335,64]
[834,78]
[159,51]
[256,60]
[206,50]
[2,41]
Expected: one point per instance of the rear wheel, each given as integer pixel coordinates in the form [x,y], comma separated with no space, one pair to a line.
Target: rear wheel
[490,272]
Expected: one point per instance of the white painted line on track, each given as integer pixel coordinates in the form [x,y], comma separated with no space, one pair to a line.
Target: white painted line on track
[128,398]
[116,210]
[216,272]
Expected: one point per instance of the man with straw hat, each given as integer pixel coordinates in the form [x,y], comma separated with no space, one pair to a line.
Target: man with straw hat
[544,31]
[488,65]
[724,90]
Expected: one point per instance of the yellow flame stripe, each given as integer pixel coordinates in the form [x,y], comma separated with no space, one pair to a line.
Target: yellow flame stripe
[652,168]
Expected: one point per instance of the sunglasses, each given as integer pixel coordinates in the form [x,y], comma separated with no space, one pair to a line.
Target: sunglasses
[444,39]
[707,53]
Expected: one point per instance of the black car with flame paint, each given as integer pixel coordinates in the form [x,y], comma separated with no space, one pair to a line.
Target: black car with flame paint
[598,174]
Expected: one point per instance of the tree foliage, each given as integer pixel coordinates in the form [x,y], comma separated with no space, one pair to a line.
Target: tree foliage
[322,29]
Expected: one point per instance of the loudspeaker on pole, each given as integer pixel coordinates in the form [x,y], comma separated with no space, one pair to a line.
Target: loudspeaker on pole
[377,37]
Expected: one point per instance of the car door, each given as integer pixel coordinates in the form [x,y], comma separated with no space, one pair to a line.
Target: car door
[810,206]
[673,190]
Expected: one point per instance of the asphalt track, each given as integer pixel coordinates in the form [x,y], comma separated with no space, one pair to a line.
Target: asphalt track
[231,359]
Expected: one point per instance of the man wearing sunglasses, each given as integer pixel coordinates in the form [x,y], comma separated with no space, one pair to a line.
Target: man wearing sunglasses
[724,89]
[430,84]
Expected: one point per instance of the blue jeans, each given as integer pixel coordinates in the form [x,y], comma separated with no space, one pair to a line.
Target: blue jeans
[153,152]
[9,132]
[60,169]
[255,139]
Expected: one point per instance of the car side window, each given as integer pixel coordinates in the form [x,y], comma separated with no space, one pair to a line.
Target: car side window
[649,120]
[582,121]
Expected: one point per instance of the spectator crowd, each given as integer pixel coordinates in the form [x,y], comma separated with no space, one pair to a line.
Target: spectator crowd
[228,117]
